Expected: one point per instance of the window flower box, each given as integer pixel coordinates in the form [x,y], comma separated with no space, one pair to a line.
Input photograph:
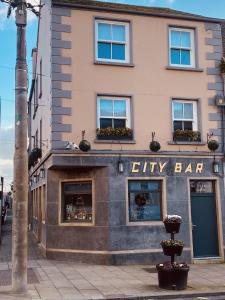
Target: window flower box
[114,133]
[186,136]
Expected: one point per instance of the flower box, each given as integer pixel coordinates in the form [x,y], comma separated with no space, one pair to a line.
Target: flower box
[114,133]
[186,136]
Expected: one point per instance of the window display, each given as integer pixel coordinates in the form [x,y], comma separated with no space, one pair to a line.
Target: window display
[145,199]
[77,202]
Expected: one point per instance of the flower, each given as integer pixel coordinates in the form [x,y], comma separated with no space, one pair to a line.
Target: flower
[172,243]
[172,266]
[173,219]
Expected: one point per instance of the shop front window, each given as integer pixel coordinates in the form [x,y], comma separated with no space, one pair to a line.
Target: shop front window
[144,200]
[77,203]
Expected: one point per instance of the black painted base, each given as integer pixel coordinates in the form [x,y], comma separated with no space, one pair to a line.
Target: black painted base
[173,279]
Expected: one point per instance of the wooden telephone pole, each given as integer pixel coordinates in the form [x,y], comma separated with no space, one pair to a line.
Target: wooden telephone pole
[20,202]
[20,182]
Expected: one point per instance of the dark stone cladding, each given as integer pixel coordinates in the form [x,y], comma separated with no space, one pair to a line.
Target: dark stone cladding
[110,239]
[215,81]
[58,77]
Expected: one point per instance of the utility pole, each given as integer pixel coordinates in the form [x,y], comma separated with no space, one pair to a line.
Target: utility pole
[20,203]
[20,182]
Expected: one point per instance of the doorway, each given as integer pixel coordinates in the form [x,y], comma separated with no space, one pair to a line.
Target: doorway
[204,219]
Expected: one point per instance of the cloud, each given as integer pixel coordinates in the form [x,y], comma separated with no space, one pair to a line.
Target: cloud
[6,155]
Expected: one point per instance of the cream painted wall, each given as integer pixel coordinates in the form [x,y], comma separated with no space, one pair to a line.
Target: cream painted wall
[44,52]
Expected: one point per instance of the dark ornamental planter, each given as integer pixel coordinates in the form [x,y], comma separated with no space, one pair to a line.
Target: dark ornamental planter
[213,145]
[154,146]
[115,137]
[35,154]
[84,145]
[172,227]
[173,278]
[172,250]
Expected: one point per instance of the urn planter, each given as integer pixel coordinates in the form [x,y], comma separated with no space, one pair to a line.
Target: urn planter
[172,227]
[173,278]
[172,250]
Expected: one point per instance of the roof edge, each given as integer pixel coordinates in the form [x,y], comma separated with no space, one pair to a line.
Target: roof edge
[119,9]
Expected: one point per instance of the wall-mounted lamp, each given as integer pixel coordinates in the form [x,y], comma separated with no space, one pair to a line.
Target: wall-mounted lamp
[220,100]
[30,182]
[35,178]
[42,173]
[215,166]
[120,165]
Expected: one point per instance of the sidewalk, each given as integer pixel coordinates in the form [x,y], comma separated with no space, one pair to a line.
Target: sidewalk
[55,280]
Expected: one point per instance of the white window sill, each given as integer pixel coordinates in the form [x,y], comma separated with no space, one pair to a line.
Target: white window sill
[112,63]
[181,68]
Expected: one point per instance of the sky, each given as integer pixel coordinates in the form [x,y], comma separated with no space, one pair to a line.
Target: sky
[210,8]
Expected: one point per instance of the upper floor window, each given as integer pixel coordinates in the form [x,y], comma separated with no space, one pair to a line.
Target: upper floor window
[112,41]
[113,118]
[185,125]
[182,48]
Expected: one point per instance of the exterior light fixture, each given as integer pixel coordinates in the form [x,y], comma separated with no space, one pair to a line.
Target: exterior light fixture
[220,101]
[42,173]
[30,182]
[35,180]
[215,166]
[120,165]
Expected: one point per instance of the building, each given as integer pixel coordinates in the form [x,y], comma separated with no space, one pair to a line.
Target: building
[126,75]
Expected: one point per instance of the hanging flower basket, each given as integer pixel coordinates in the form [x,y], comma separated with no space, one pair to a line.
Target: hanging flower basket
[172,247]
[84,145]
[35,154]
[154,146]
[213,145]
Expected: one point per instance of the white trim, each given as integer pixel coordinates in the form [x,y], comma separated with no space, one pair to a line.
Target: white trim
[191,49]
[194,120]
[126,43]
[163,201]
[114,98]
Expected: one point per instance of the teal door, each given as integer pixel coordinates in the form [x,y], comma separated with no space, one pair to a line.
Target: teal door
[204,225]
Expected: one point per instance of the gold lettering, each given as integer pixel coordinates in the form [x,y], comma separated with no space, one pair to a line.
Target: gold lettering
[152,166]
[199,168]
[144,168]
[178,167]
[189,168]
[134,165]
[161,167]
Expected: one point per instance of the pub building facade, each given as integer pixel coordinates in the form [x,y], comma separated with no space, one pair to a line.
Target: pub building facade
[119,76]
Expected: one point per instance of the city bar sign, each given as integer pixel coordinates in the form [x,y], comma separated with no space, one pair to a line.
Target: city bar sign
[161,167]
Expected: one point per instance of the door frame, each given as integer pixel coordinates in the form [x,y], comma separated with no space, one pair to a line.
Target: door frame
[218,220]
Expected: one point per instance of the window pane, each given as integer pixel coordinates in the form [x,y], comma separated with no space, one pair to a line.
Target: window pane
[118,33]
[120,108]
[178,110]
[188,125]
[118,51]
[106,108]
[77,202]
[175,57]
[188,111]
[185,57]
[105,123]
[119,123]
[177,125]
[175,38]
[104,31]
[104,50]
[144,203]
[186,39]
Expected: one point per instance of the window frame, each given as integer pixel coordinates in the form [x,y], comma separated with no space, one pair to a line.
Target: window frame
[163,201]
[193,63]
[61,220]
[115,98]
[127,42]
[195,125]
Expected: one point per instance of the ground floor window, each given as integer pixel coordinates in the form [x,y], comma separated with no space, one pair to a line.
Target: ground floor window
[145,200]
[77,203]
